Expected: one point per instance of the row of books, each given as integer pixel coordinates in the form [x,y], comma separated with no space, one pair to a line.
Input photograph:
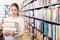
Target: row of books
[44,2]
[38,3]
[52,13]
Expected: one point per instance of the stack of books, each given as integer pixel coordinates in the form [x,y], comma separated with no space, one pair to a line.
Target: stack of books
[10,26]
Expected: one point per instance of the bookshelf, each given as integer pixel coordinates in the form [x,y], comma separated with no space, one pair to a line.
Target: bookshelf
[44,18]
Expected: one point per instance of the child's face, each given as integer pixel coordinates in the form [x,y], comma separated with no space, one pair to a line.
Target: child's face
[14,10]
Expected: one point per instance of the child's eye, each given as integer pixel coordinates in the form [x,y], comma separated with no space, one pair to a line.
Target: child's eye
[14,9]
[11,9]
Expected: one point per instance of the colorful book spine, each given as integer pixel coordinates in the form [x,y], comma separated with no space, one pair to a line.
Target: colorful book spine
[58,21]
[45,24]
[48,2]
[46,28]
[50,19]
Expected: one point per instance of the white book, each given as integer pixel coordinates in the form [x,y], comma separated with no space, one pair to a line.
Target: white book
[10,26]
[31,22]
[31,13]
[53,1]
[45,2]
[38,25]
[10,29]
[45,13]
[57,32]
[48,14]
[31,6]
[37,13]
[41,13]
[40,3]
[57,27]
[35,4]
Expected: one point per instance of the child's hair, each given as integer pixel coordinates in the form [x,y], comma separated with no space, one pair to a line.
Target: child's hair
[16,5]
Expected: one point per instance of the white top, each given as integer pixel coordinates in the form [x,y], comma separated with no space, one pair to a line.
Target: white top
[18,20]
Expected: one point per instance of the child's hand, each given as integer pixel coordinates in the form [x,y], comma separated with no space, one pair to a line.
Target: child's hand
[6,33]
[12,33]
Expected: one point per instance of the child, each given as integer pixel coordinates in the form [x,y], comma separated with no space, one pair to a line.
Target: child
[14,18]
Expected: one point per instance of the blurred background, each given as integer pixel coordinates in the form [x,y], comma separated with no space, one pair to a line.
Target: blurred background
[5,5]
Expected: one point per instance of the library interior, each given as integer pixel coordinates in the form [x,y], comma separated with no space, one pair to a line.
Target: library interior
[29,20]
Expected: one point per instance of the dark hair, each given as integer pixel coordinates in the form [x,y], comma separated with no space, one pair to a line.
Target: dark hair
[16,5]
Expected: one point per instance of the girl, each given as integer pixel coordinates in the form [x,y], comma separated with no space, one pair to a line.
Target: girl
[15,18]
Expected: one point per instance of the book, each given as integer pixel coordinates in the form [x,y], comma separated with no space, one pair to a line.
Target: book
[35,31]
[45,2]
[48,2]
[41,37]
[31,29]
[31,13]
[38,35]
[38,3]
[58,14]
[50,30]
[37,24]
[10,26]
[41,13]
[58,34]
[36,13]
[45,24]
[42,3]
[55,1]
[51,12]
[46,28]
[32,22]
[35,4]
[31,6]
[55,18]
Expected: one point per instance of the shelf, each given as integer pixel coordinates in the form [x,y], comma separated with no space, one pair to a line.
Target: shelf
[40,31]
[23,2]
[45,6]
[28,3]
[52,4]
[50,22]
